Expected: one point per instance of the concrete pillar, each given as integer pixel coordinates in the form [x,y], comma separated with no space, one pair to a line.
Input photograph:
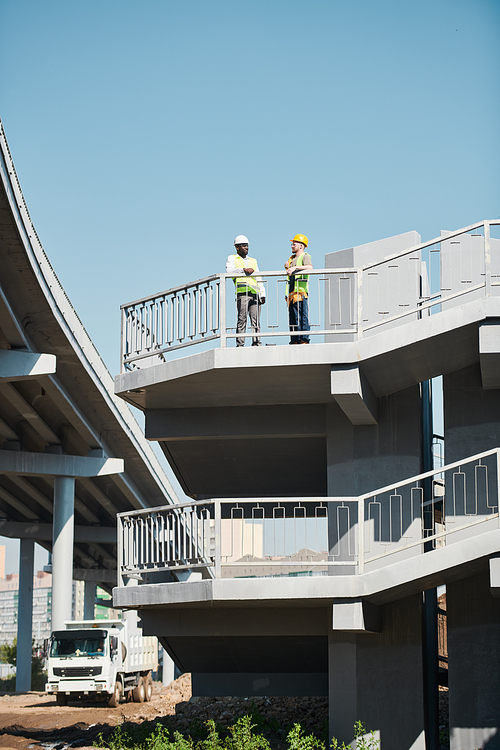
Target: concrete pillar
[363,457]
[342,687]
[377,678]
[473,663]
[25,615]
[88,600]
[62,550]
[168,674]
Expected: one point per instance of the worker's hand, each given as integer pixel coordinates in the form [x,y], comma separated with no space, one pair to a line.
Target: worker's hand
[248,270]
[287,265]
[291,270]
[262,300]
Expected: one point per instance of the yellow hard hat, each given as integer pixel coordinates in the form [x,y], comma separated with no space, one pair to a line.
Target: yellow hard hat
[301,238]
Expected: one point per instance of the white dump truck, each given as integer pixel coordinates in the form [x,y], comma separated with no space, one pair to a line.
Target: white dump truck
[101,658]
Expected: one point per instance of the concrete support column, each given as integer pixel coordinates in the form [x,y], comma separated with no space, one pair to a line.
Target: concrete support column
[342,702]
[62,550]
[25,615]
[361,458]
[89,589]
[168,674]
[377,678]
[474,663]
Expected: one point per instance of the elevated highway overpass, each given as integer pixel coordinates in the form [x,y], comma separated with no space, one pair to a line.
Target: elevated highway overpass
[71,453]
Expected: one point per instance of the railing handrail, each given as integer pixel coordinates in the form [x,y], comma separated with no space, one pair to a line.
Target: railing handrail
[231,275]
[429,243]
[430,473]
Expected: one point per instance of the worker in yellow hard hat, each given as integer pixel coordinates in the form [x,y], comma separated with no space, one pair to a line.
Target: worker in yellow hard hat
[298,289]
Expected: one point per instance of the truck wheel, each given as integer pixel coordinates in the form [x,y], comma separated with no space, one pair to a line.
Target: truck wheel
[115,699]
[148,687]
[139,692]
[61,699]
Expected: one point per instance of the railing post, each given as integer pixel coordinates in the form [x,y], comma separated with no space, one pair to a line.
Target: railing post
[361,535]
[487,259]
[222,309]
[217,509]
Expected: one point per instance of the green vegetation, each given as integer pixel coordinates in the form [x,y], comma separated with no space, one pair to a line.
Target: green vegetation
[238,736]
[8,655]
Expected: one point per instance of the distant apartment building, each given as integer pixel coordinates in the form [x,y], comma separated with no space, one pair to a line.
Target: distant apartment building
[42,604]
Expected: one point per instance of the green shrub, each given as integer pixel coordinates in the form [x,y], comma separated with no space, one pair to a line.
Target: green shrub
[239,736]
[8,655]
[362,742]
[297,740]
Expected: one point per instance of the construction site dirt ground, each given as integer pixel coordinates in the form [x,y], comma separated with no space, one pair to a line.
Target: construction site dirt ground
[35,721]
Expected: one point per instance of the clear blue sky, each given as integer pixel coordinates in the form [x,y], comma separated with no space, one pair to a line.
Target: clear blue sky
[147,135]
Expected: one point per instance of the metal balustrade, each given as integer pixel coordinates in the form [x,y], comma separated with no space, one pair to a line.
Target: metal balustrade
[321,535]
[344,304]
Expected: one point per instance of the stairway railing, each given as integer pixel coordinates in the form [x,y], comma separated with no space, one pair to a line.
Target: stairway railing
[315,536]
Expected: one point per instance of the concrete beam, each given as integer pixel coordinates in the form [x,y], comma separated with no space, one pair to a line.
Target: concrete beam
[97,575]
[17,365]
[356,616]
[489,354]
[43,532]
[353,394]
[41,464]
[244,422]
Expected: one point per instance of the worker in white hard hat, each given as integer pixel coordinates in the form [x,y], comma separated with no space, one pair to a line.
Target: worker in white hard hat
[298,289]
[250,292]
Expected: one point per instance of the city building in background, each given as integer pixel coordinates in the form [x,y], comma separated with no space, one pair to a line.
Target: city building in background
[42,604]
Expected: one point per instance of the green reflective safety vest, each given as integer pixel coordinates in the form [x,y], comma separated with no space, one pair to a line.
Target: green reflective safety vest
[245,284]
[299,282]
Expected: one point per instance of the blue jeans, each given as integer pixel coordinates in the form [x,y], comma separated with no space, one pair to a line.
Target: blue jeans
[298,319]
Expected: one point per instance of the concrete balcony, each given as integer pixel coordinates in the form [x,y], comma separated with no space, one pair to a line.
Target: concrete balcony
[386,317]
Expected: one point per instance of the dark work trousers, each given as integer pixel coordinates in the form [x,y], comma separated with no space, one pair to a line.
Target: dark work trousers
[248,304]
[298,320]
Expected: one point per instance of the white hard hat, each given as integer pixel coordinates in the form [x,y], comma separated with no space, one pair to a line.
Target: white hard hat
[241,240]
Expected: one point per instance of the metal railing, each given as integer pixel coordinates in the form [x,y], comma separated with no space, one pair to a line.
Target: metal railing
[278,537]
[344,303]
[205,310]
